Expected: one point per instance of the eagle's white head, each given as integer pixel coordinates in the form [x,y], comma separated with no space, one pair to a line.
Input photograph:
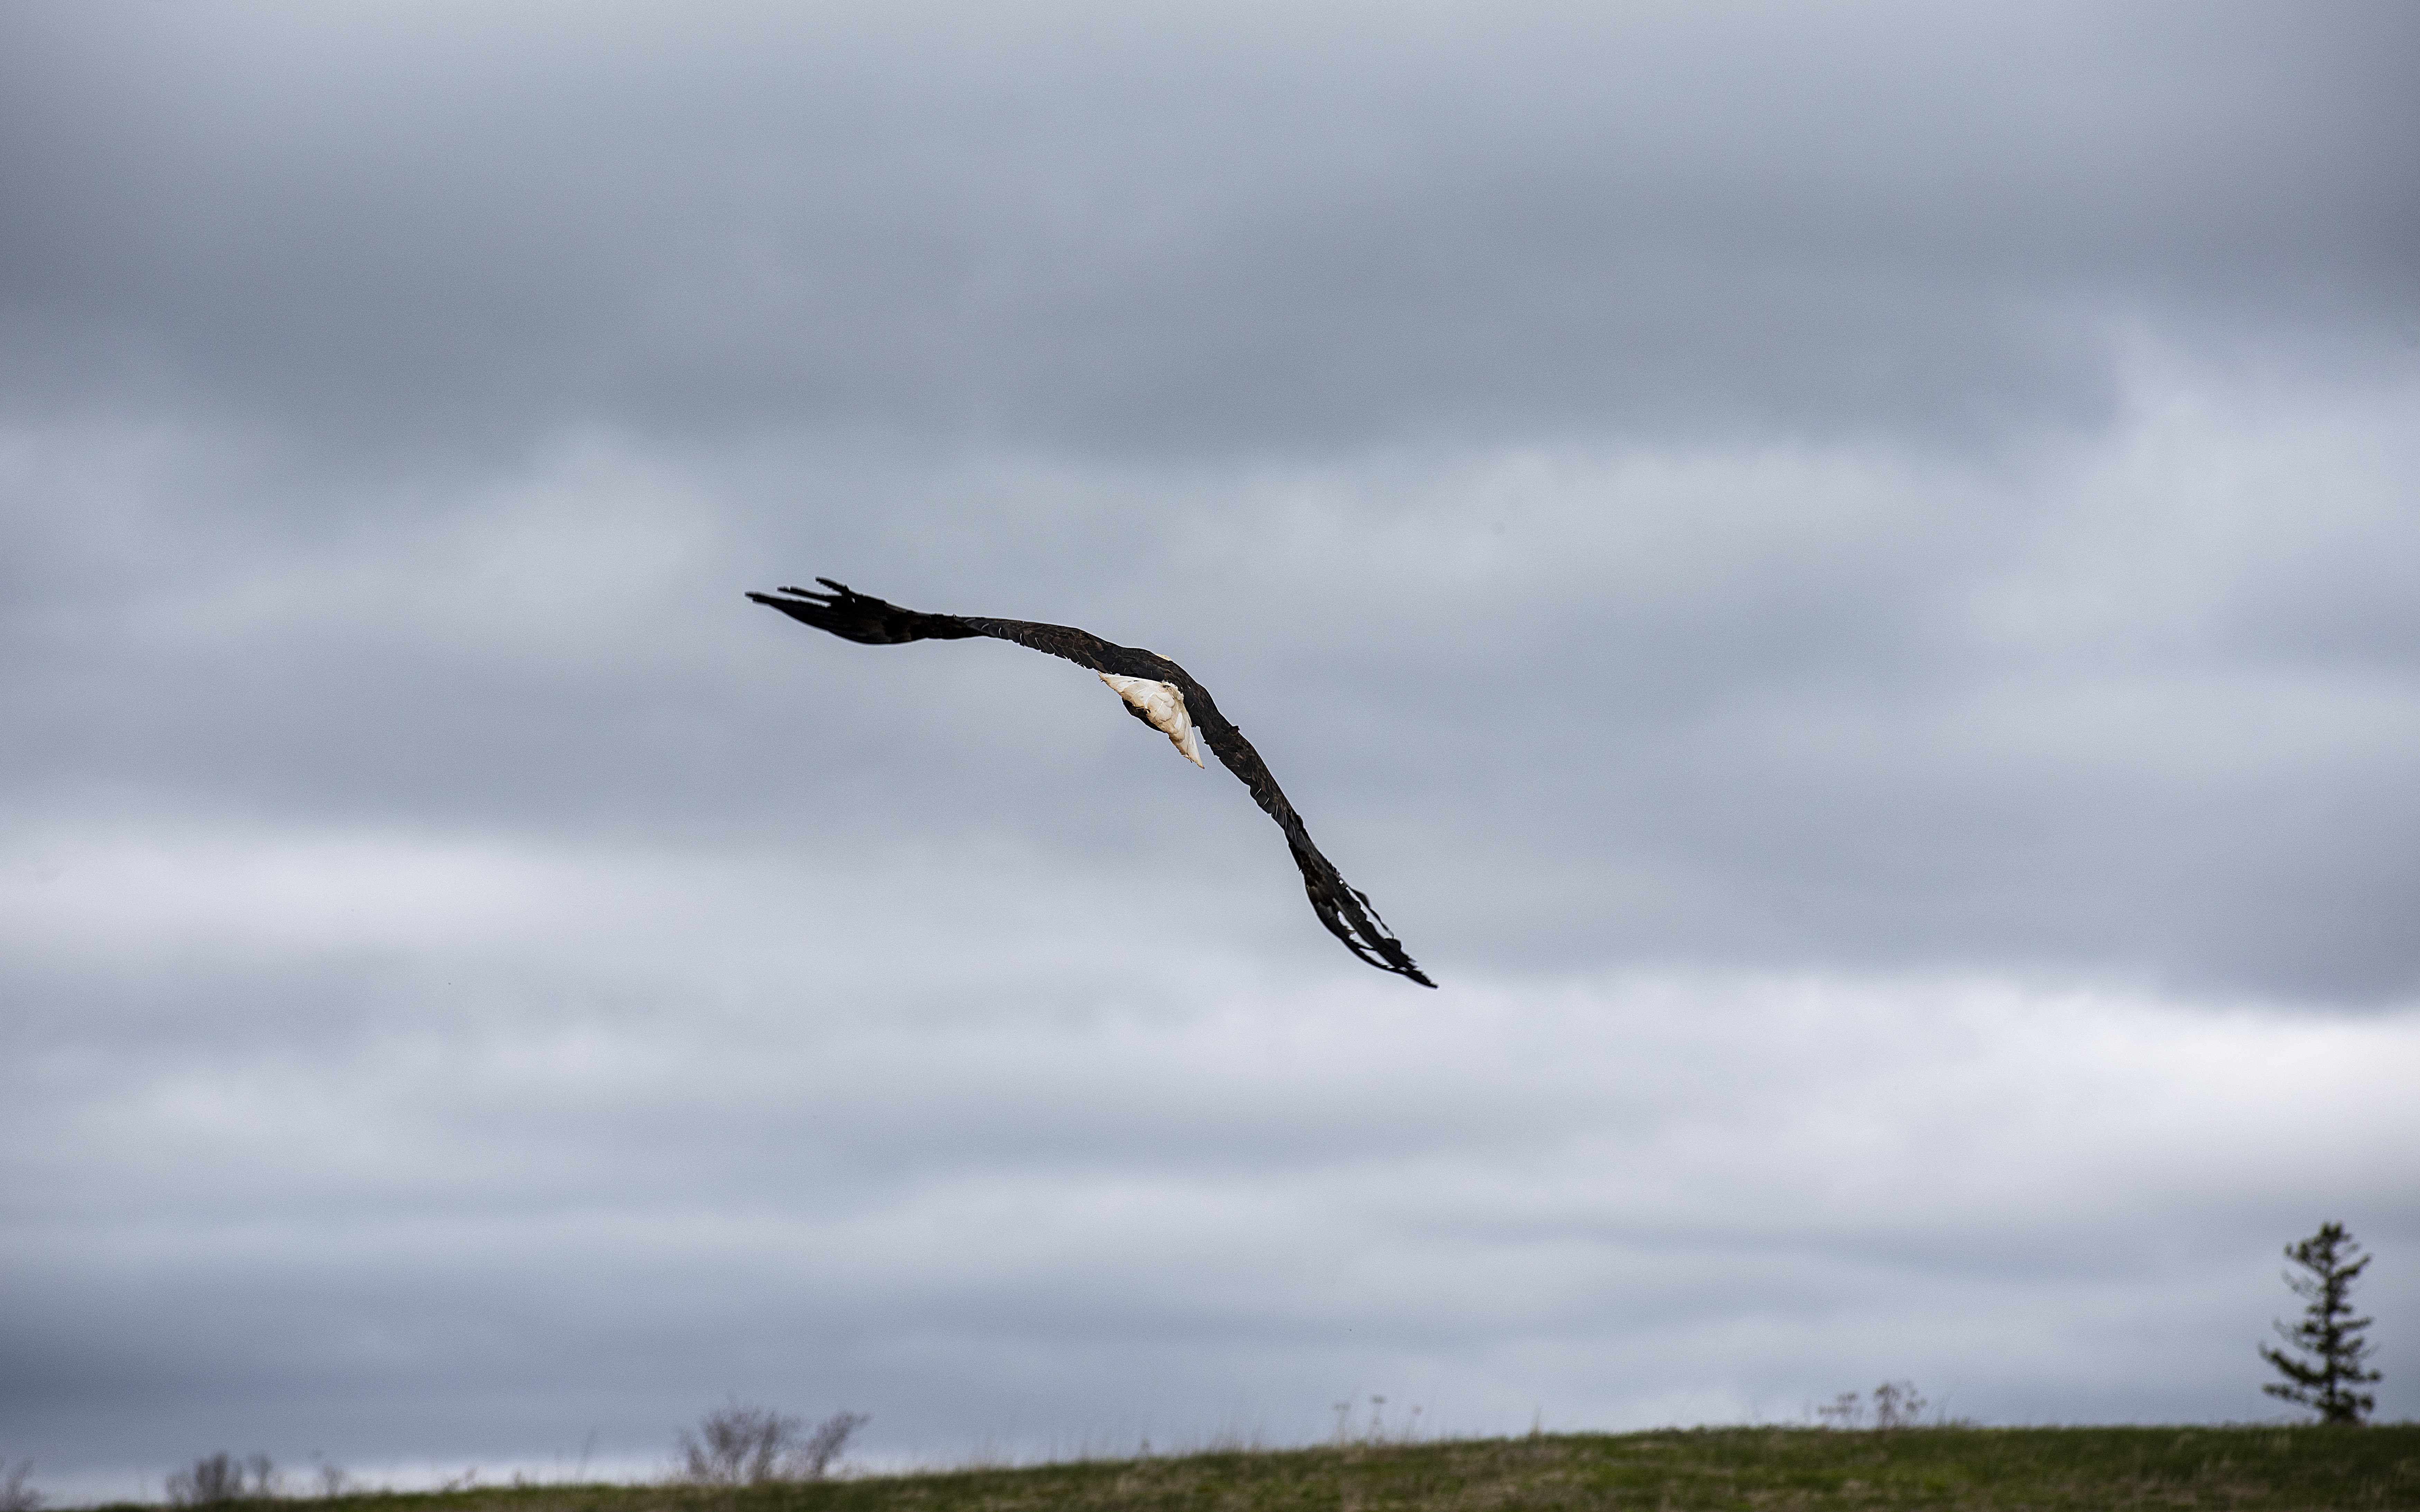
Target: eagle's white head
[1163,705]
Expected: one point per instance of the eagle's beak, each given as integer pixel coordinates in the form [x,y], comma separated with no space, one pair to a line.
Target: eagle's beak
[1163,705]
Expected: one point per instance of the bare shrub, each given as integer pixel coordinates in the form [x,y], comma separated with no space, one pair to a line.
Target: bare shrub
[1376,1431]
[15,1495]
[743,1445]
[223,1477]
[813,1458]
[735,1445]
[1897,1404]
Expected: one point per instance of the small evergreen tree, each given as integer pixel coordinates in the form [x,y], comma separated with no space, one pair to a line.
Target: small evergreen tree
[2328,1335]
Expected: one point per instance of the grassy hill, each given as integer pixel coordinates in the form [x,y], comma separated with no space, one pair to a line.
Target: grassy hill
[1984,1470]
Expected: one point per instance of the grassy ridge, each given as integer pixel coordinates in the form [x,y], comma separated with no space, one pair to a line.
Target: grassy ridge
[1974,1470]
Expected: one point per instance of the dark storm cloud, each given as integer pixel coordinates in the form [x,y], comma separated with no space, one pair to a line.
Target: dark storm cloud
[1098,230]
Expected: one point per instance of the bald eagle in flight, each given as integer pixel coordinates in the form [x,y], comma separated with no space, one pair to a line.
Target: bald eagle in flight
[1157,691]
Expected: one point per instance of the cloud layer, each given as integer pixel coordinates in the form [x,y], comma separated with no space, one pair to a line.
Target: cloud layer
[1193,233]
[1844,576]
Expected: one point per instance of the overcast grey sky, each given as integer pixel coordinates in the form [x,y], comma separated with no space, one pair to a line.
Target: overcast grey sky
[1848,575]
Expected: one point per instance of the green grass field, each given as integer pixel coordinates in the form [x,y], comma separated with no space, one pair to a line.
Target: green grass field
[2036,1469]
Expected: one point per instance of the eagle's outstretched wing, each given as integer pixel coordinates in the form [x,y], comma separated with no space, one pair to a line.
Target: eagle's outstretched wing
[1347,913]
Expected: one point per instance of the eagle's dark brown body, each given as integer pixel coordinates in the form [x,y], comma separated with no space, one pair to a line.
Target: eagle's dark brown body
[1347,914]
